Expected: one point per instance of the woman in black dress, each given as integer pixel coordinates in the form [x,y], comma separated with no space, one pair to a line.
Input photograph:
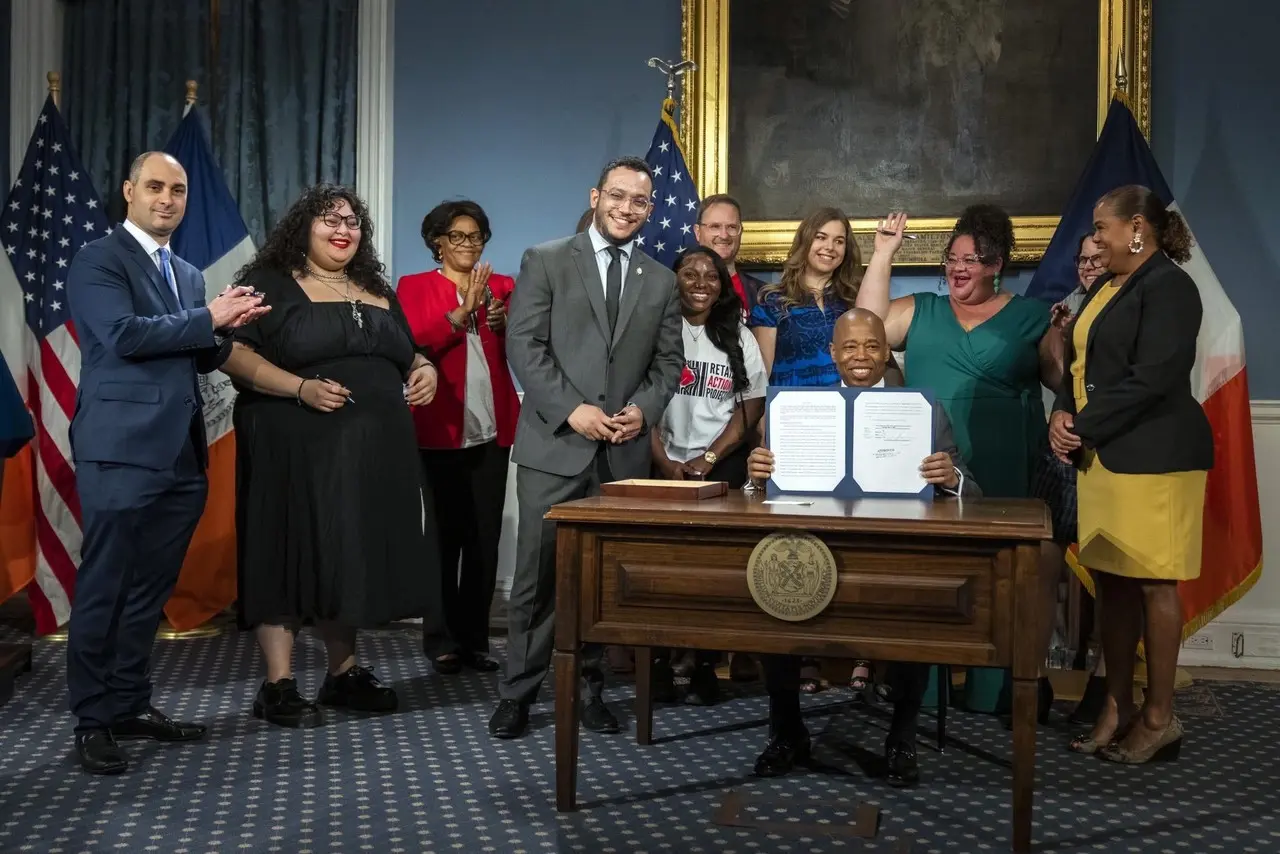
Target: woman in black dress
[329,503]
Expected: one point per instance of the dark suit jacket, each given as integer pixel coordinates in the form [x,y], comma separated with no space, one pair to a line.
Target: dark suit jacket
[1142,417]
[140,353]
[751,288]
[944,440]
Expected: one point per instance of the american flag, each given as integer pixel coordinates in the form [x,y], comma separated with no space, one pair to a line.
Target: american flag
[51,212]
[669,230]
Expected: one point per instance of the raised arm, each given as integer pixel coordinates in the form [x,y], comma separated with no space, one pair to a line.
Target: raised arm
[545,386]
[873,293]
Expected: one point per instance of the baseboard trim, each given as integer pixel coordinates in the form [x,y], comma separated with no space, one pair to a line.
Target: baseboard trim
[1265,411]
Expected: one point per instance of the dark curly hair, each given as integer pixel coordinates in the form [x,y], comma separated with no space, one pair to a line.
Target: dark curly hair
[724,321]
[1172,233]
[285,250]
[991,230]
[435,224]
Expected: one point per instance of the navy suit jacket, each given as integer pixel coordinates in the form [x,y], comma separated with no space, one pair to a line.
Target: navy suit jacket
[140,352]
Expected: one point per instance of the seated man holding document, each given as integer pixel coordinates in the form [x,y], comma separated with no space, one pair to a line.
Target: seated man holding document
[861,353]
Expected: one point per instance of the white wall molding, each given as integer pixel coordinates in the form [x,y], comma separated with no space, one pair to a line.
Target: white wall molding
[1265,411]
[35,49]
[375,117]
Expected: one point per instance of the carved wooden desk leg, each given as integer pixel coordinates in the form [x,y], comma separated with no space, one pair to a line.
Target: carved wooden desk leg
[567,700]
[644,695]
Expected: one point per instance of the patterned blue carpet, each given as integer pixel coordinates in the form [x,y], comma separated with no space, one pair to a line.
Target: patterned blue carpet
[429,778]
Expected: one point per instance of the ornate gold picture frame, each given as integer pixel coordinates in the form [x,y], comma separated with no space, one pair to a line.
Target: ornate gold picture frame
[1124,54]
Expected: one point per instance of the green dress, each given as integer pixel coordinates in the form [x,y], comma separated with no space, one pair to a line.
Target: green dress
[988,381]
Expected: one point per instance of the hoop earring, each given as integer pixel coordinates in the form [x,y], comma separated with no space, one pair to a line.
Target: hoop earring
[1135,244]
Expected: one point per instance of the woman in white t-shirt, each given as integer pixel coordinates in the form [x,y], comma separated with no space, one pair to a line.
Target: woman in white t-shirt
[704,433]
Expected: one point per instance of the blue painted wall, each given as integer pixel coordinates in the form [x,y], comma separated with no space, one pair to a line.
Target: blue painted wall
[518,105]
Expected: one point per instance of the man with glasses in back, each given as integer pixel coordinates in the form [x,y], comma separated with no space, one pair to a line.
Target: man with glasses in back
[719,228]
[594,338]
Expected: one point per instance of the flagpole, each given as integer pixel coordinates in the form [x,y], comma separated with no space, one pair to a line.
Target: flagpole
[192,87]
[55,88]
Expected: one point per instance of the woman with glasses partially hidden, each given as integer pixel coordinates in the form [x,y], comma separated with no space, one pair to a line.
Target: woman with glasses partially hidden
[458,314]
[329,498]
[984,352]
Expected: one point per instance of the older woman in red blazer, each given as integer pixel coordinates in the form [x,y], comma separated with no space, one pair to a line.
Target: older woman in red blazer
[459,318]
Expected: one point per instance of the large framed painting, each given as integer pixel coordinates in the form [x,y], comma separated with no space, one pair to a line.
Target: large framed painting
[918,105]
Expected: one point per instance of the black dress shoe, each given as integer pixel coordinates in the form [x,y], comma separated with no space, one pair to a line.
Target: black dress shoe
[448,664]
[786,750]
[662,683]
[281,704]
[478,662]
[597,717]
[99,753]
[904,769]
[704,686]
[359,690]
[156,726]
[510,720]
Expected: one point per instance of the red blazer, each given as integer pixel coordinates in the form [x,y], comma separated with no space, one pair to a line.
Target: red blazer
[426,298]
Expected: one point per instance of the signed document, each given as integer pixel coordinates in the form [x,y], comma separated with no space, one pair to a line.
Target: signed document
[892,434]
[807,433]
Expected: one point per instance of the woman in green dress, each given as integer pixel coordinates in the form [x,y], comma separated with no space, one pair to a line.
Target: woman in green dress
[984,352]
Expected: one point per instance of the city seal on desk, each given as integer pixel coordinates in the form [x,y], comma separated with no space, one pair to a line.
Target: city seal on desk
[792,575]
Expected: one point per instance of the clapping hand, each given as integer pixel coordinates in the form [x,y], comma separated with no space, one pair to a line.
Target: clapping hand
[474,296]
[421,387]
[496,316]
[235,307]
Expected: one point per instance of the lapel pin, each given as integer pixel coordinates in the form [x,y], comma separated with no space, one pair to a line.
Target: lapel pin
[639,271]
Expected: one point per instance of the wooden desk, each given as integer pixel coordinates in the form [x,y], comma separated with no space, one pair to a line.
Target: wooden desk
[947,582]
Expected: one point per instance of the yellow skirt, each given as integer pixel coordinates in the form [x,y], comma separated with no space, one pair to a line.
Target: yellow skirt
[1141,525]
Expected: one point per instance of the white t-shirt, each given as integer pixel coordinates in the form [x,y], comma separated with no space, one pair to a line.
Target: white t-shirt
[704,401]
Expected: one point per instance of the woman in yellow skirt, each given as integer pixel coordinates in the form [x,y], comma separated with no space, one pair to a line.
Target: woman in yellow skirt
[1127,418]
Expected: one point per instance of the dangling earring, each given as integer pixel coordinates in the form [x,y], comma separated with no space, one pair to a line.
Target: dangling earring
[997,283]
[1135,244]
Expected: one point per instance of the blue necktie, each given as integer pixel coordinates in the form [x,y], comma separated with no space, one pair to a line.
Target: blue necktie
[167,272]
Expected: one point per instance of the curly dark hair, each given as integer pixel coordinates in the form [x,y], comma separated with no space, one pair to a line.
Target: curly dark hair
[285,250]
[991,230]
[724,321]
[436,223]
[1172,234]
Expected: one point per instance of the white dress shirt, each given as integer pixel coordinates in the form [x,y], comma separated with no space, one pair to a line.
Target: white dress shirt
[601,245]
[152,248]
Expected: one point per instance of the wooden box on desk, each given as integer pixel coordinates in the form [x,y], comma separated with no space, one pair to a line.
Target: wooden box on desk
[665,490]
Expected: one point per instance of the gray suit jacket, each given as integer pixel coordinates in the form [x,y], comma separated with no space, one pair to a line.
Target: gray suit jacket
[561,353]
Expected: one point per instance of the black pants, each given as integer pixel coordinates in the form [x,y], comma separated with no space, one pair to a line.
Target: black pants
[469,489]
[908,680]
[137,526]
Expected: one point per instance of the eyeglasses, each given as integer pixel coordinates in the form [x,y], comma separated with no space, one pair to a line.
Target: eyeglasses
[730,228]
[1084,263]
[457,238]
[333,220]
[970,261]
[618,198]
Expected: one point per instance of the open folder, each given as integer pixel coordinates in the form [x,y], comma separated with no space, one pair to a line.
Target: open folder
[849,442]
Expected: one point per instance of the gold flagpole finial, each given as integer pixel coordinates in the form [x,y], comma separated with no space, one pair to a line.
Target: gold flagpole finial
[55,87]
[1122,76]
[192,87]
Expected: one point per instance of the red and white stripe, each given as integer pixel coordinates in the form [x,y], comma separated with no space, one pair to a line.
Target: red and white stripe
[53,375]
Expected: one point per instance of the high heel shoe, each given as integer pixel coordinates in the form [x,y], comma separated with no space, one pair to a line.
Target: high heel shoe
[1091,702]
[1044,702]
[1164,749]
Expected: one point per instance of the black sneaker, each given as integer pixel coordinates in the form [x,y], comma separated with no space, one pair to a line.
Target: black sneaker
[359,690]
[281,704]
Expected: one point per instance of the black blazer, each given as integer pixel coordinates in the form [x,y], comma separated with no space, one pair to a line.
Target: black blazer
[1142,417]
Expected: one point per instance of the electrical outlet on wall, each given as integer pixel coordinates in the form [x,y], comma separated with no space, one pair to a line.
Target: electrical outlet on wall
[1199,641]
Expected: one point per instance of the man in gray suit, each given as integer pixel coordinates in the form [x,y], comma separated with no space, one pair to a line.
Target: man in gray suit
[594,337]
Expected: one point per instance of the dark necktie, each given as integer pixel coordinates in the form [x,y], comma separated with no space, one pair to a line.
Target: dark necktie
[613,286]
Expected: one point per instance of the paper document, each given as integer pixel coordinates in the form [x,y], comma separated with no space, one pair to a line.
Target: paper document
[806,433]
[892,434]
